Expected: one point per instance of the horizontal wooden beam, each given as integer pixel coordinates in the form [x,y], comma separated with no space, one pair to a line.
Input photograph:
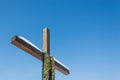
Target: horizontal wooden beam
[36,52]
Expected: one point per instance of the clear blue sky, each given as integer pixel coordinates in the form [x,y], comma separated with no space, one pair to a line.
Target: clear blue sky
[85,36]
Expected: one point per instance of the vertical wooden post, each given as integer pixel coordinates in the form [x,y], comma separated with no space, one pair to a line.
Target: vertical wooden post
[46,41]
[47,72]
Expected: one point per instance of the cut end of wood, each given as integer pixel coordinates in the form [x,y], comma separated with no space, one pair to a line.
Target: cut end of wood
[13,39]
[46,28]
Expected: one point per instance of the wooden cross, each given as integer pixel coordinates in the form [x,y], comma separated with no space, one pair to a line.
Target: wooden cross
[48,61]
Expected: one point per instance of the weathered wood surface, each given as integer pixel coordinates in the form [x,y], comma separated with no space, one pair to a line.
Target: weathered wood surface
[46,41]
[46,69]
